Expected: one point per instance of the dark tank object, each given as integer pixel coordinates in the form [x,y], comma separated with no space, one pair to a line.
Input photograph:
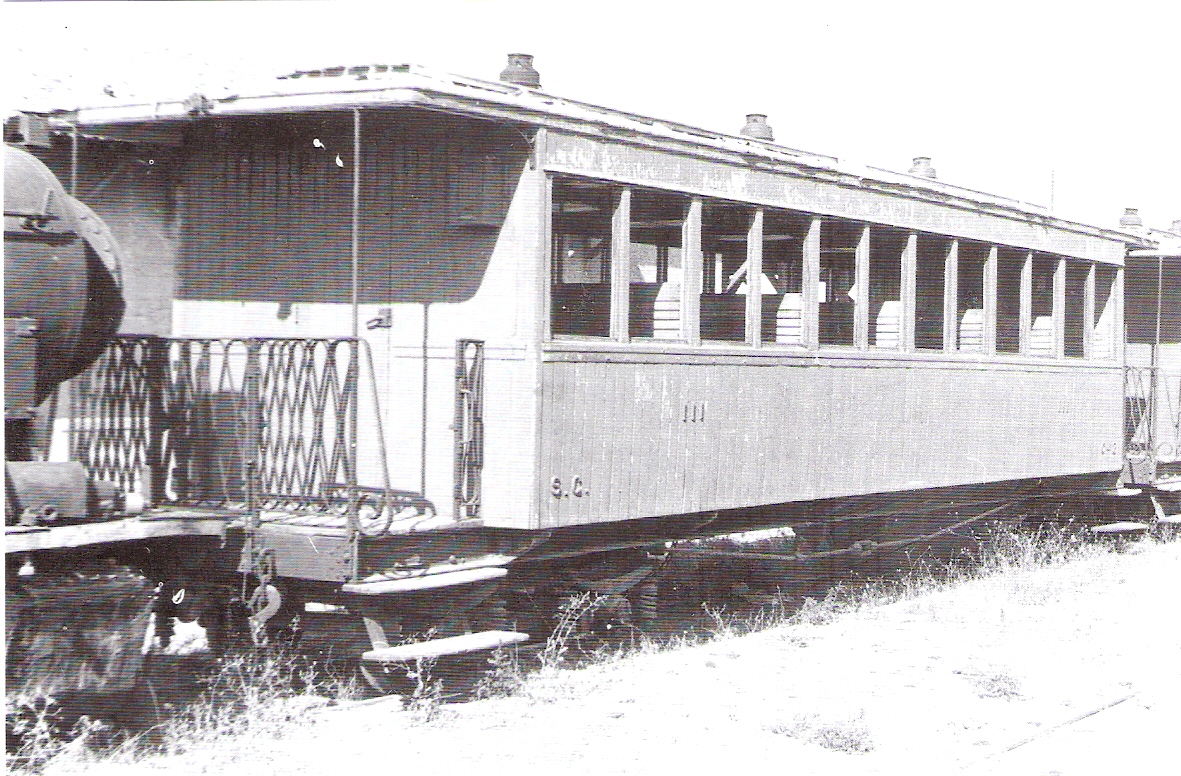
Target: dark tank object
[61,301]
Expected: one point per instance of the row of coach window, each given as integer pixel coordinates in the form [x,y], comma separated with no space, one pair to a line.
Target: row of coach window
[636,264]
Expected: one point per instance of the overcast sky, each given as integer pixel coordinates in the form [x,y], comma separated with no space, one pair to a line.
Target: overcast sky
[1005,96]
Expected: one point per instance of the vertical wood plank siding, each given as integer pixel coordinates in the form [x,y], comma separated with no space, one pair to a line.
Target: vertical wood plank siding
[264,203]
[784,433]
[130,188]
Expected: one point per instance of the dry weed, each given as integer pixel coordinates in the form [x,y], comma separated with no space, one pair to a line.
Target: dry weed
[841,735]
[254,696]
[426,701]
[993,683]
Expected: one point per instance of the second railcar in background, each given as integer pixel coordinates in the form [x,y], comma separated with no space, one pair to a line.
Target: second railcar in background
[1153,363]
[431,334]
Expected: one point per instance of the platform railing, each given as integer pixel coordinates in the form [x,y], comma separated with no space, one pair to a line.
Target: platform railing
[1139,404]
[1152,421]
[223,421]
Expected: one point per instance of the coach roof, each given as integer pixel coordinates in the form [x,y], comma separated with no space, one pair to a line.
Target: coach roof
[408,85]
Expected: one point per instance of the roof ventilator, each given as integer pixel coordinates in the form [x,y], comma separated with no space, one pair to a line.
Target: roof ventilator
[757,127]
[921,166]
[520,71]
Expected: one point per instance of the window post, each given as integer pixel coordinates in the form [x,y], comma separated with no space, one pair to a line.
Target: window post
[1060,308]
[547,258]
[1026,321]
[754,280]
[1117,329]
[620,265]
[990,304]
[861,303]
[907,292]
[691,282]
[811,286]
[951,295]
[1089,313]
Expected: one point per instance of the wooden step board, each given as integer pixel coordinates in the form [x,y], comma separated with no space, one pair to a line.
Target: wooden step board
[1124,528]
[425,582]
[452,645]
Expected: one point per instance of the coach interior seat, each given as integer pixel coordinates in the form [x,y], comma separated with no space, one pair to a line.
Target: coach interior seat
[789,320]
[972,331]
[1101,342]
[888,332]
[666,313]
[1041,336]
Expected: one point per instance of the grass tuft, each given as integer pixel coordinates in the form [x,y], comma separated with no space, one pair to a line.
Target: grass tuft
[253,696]
[842,735]
[262,696]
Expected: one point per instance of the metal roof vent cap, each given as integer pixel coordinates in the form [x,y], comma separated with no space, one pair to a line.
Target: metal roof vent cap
[921,165]
[1131,217]
[757,126]
[520,71]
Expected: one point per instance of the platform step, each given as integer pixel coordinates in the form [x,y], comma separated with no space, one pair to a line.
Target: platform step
[452,645]
[1122,528]
[1169,520]
[425,582]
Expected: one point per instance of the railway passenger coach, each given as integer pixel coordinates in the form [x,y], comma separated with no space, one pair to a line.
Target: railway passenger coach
[413,326]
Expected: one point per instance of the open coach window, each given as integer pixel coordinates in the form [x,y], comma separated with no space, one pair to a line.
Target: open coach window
[1041,336]
[1009,270]
[839,243]
[724,286]
[930,278]
[886,311]
[1104,337]
[970,310]
[1075,323]
[784,235]
[656,274]
[580,298]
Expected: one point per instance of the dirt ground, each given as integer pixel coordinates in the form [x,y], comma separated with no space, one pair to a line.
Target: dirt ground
[1068,669]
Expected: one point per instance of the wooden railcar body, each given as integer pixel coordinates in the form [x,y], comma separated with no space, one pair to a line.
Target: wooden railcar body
[1153,375]
[551,337]
[453,184]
